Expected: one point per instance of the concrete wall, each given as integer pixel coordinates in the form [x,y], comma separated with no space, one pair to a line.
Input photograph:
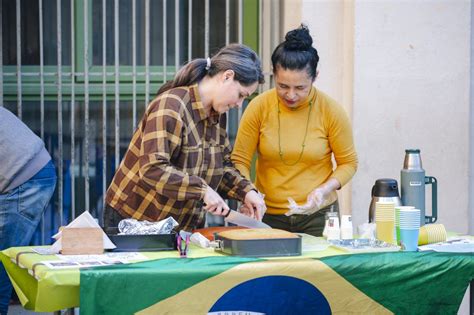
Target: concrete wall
[409,89]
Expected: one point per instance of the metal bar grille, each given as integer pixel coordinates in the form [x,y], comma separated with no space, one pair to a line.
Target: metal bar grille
[134,65]
[40,17]
[41,74]
[176,35]
[72,164]
[147,51]
[240,23]
[85,75]
[104,100]
[165,51]
[190,29]
[206,29]
[18,56]
[60,110]
[117,79]
[227,22]
[86,107]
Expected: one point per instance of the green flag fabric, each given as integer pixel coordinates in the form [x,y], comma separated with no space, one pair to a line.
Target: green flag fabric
[409,282]
[382,283]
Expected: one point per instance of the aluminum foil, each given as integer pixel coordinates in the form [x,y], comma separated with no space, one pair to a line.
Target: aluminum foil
[135,227]
[362,243]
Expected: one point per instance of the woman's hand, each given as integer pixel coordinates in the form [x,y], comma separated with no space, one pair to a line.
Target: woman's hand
[322,195]
[316,198]
[319,198]
[254,205]
[214,203]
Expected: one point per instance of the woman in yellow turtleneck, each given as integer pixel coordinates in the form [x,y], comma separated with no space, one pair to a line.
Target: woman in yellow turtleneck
[295,129]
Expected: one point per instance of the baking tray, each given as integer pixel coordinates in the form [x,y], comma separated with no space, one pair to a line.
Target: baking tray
[264,247]
[210,232]
[141,243]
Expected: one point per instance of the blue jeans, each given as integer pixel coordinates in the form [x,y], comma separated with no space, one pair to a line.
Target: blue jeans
[20,212]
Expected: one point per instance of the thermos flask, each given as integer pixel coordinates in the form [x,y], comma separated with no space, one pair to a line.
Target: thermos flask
[384,190]
[413,181]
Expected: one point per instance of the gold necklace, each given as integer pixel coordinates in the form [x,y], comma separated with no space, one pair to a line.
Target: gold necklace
[280,152]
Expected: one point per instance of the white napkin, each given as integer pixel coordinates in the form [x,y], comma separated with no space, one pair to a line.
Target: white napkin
[85,220]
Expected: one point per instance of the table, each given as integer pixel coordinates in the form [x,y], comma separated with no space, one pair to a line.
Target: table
[316,282]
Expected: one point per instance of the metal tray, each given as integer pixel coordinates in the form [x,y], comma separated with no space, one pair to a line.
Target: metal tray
[260,247]
[141,243]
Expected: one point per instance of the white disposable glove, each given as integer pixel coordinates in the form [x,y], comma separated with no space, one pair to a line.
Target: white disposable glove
[317,199]
[307,209]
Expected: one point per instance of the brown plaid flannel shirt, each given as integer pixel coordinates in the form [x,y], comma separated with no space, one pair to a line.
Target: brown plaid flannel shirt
[174,154]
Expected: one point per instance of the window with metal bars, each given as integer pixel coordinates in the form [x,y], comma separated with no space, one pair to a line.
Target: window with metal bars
[113,56]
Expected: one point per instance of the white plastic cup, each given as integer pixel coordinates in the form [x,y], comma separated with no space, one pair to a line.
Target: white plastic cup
[333,230]
[346,227]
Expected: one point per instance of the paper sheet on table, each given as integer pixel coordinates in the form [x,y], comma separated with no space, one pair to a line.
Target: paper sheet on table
[310,243]
[85,220]
[124,257]
[451,246]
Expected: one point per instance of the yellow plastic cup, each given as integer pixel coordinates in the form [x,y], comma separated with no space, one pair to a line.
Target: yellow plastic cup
[423,236]
[385,231]
[432,233]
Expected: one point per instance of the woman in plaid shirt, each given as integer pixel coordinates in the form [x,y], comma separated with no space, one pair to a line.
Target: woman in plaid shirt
[178,161]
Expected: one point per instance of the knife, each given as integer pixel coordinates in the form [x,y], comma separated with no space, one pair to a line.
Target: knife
[245,221]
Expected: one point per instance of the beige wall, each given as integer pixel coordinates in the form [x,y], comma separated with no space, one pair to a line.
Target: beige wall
[335,68]
[402,70]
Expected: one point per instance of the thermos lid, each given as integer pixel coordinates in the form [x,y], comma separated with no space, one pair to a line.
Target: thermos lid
[412,160]
[385,187]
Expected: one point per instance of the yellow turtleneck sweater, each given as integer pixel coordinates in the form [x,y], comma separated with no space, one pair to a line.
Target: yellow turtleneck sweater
[329,132]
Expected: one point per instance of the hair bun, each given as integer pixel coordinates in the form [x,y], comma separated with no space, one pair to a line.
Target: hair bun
[298,39]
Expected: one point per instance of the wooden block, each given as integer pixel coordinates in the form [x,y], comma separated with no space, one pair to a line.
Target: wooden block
[82,241]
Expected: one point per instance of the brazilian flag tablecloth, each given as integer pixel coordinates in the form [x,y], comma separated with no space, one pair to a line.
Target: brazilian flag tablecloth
[323,282]
[400,283]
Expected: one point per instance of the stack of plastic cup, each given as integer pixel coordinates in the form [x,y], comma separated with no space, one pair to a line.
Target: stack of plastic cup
[409,228]
[397,220]
[432,233]
[385,221]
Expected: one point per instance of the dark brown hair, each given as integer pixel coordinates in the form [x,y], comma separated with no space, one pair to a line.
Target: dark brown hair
[239,58]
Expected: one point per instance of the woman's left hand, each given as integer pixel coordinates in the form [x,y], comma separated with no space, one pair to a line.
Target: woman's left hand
[317,197]
[254,205]
[322,195]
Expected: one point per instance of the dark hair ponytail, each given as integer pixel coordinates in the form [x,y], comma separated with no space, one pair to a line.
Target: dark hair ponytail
[239,58]
[297,52]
